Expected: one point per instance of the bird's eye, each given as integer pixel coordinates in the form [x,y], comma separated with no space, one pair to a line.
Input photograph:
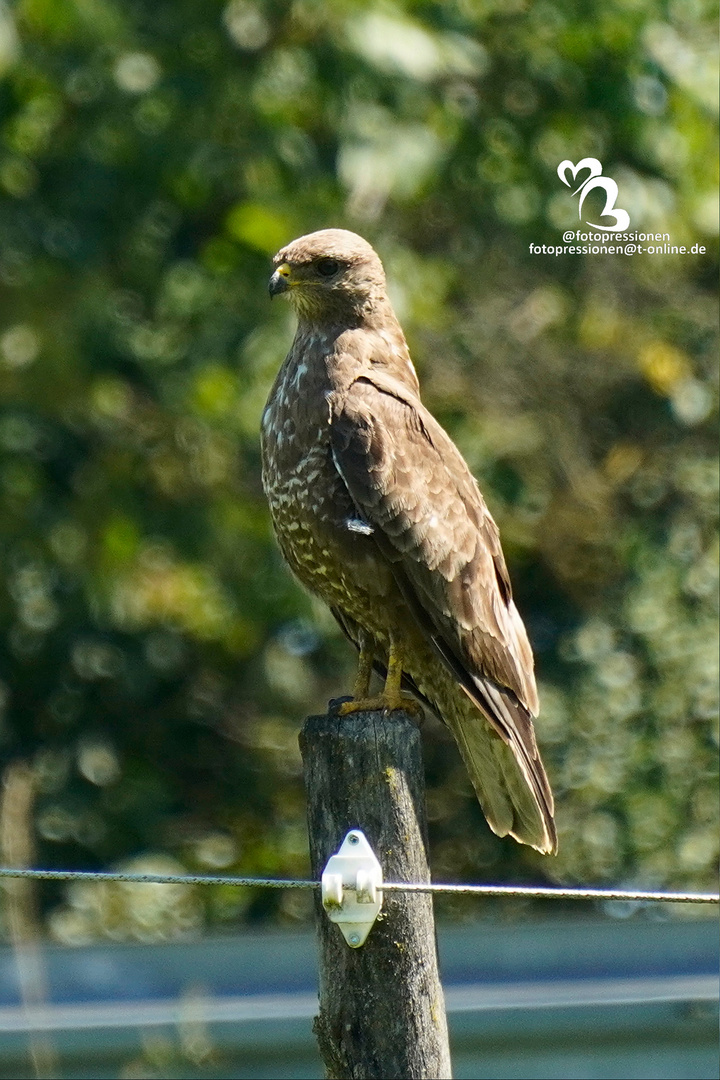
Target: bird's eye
[327,267]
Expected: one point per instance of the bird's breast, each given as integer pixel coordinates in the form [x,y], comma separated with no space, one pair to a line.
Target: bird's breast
[315,520]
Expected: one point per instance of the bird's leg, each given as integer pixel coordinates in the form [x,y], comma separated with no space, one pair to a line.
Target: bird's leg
[361,689]
[391,698]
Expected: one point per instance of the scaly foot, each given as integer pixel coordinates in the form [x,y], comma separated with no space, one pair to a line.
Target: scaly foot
[384,702]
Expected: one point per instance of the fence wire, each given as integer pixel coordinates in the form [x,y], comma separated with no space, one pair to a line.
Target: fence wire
[537,892]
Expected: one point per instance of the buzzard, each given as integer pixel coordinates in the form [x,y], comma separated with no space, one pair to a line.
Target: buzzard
[376,512]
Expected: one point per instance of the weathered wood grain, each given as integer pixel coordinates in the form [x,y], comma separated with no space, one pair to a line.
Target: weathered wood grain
[382,1011]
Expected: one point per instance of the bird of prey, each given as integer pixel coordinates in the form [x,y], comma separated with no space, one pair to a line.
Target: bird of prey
[377,513]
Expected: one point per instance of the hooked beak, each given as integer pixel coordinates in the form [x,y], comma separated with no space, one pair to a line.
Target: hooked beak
[279,282]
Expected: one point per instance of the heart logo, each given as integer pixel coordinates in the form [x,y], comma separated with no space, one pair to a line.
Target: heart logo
[590,163]
[592,181]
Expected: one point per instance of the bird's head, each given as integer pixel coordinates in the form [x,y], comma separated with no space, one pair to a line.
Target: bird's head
[329,275]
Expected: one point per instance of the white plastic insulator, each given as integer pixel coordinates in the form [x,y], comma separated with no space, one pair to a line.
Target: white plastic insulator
[352,888]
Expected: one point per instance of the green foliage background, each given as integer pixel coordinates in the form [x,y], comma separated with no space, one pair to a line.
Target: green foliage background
[157,659]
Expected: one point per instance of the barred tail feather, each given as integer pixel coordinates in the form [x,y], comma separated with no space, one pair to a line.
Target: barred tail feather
[501,756]
[509,801]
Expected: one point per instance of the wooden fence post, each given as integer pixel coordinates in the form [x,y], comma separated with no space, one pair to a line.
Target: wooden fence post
[382,1011]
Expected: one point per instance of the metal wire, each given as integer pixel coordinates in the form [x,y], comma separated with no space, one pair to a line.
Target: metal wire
[157,879]
[538,892]
[560,894]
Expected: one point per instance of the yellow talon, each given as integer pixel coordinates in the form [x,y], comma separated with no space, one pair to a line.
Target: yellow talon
[391,699]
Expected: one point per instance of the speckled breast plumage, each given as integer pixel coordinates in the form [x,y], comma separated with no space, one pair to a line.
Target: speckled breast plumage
[310,505]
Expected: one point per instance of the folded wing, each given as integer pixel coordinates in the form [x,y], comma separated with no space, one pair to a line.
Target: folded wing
[411,484]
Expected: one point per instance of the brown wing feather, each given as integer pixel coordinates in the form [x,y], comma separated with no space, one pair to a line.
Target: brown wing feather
[409,481]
